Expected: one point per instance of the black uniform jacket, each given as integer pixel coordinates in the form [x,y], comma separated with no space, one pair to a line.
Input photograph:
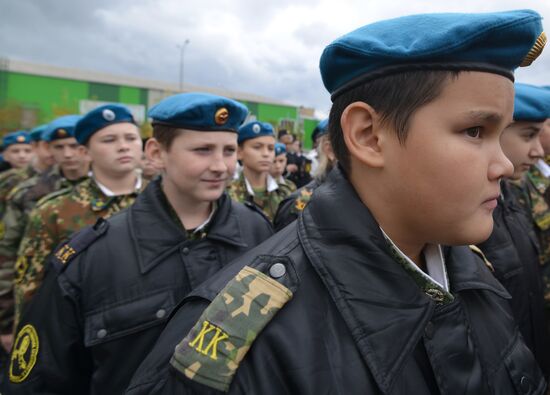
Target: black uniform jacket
[513,251]
[97,319]
[358,323]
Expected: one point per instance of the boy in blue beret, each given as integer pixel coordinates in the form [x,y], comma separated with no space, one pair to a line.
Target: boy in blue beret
[512,247]
[279,165]
[255,183]
[43,159]
[533,192]
[17,149]
[18,152]
[109,137]
[125,275]
[371,290]
[71,166]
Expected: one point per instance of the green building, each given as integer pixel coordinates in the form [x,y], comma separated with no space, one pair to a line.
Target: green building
[32,94]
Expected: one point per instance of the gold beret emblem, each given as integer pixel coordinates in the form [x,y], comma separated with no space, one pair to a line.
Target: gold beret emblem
[535,51]
[61,133]
[221,117]
[20,139]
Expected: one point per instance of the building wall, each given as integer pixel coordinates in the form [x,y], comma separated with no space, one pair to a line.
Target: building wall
[28,100]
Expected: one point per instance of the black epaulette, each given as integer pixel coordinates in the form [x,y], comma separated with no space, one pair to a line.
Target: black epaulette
[81,240]
[254,207]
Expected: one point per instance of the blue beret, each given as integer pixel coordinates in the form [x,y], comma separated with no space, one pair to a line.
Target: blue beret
[199,111]
[496,42]
[280,149]
[320,130]
[60,128]
[99,118]
[20,137]
[36,133]
[531,103]
[255,129]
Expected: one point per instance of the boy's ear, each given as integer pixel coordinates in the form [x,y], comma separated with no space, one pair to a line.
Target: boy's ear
[362,134]
[153,152]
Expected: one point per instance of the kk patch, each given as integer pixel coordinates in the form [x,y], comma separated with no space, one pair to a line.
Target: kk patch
[212,351]
[24,354]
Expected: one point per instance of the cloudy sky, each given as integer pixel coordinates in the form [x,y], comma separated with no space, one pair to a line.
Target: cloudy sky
[270,48]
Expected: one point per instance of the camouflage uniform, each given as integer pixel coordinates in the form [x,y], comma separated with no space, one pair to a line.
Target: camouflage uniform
[534,194]
[8,180]
[21,200]
[267,201]
[53,220]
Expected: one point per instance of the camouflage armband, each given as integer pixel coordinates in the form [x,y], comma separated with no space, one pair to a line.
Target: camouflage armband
[212,351]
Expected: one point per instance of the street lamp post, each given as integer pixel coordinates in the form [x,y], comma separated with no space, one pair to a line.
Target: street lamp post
[182,50]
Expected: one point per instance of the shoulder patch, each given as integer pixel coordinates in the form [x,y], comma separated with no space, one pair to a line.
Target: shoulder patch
[52,196]
[212,351]
[78,243]
[24,354]
[480,253]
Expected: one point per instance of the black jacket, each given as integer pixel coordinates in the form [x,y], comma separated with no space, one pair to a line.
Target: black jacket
[97,319]
[513,251]
[358,323]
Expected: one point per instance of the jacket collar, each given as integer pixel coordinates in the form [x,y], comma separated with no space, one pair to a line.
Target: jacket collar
[381,304]
[156,235]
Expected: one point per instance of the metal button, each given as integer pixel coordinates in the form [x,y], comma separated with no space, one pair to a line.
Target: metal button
[525,384]
[101,333]
[161,313]
[185,250]
[429,330]
[277,270]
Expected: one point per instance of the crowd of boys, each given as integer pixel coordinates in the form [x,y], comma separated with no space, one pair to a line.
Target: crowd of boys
[409,252]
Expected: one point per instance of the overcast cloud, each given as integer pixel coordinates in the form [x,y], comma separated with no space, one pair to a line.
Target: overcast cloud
[270,48]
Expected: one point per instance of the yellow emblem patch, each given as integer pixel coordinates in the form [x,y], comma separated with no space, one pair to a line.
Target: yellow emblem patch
[21,267]
[535,51]
[61,133]
[23,356]
[209,349]
[21,139]
[221,116]
[65,253]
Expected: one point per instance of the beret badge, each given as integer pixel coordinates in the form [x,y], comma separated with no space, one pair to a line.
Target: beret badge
[20,139]
[108,115]
[535,51]
[256,128]
[61,133]
[221,116]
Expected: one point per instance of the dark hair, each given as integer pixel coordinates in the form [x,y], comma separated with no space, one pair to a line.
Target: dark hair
[165,135]
[281,133]
[395,97]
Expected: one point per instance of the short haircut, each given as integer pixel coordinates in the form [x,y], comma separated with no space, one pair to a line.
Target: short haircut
[165,135]
[394,97]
